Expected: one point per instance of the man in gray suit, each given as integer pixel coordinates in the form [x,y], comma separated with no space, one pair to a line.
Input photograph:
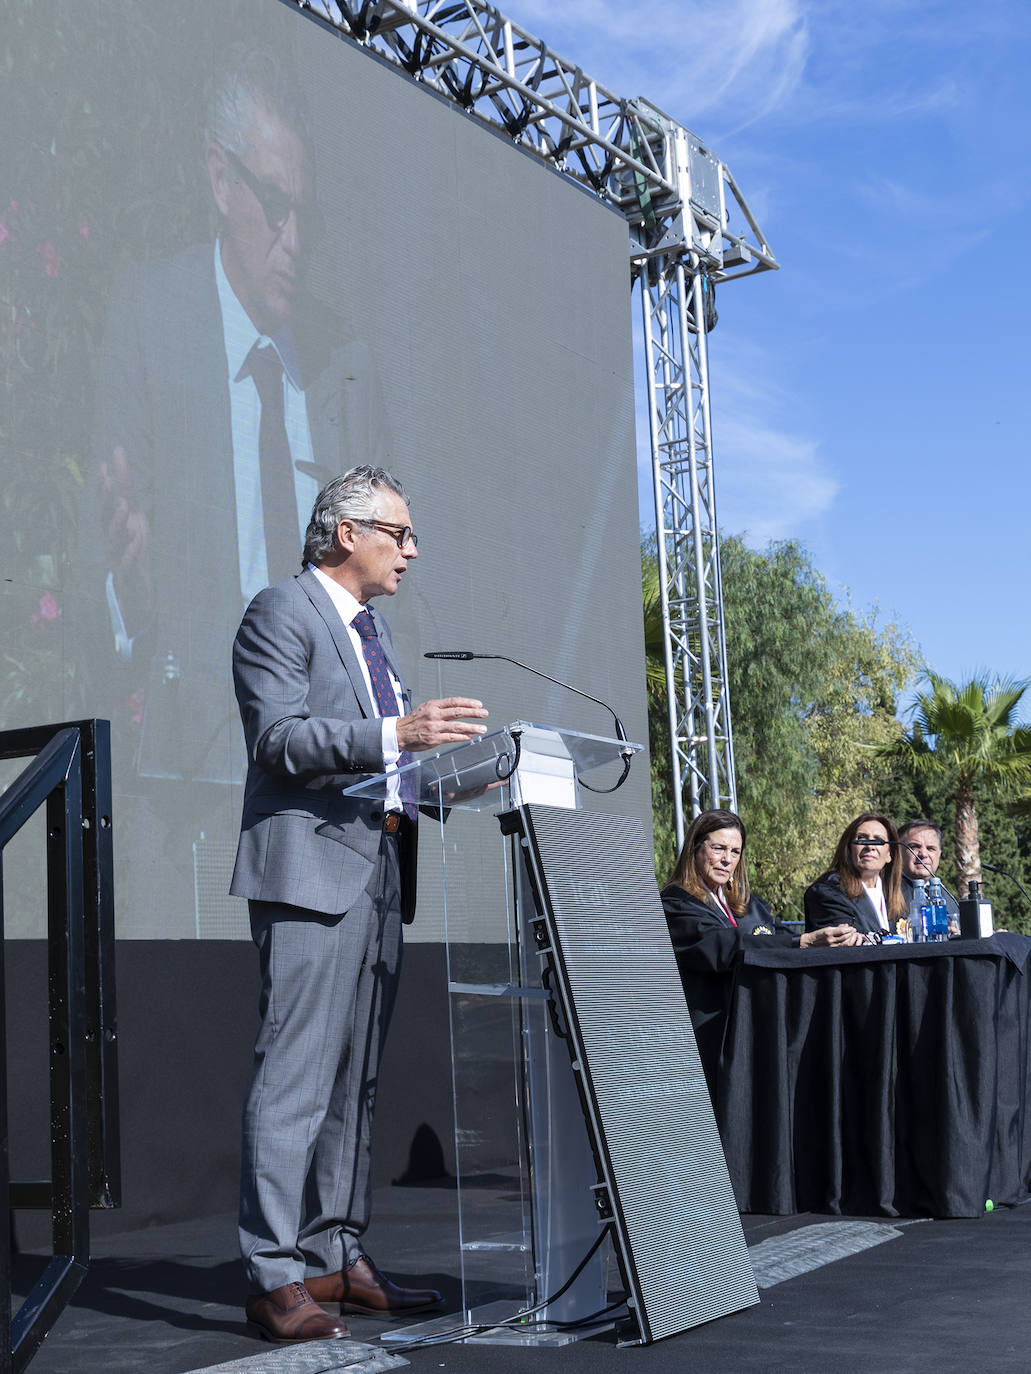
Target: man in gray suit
[329,880]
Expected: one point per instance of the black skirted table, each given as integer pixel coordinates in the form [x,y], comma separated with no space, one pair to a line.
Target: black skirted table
[887,1080]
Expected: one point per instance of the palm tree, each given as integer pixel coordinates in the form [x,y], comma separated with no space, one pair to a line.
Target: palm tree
[968,733]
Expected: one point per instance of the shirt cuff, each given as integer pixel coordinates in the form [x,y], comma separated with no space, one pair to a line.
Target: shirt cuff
[391,753]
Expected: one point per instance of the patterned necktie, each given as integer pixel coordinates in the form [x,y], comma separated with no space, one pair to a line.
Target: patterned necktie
[278,495]
[386,701]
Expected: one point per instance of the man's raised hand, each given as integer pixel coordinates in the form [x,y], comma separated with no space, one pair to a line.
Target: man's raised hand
[441,721]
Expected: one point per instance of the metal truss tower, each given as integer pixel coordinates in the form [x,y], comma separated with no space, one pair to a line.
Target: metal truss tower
[675,297]
[690,229]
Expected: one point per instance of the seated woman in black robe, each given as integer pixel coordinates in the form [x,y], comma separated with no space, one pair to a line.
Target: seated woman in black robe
[862,884]
[712,916]
[710,909]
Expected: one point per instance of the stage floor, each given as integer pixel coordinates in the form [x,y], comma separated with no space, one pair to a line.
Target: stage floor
[933,1295]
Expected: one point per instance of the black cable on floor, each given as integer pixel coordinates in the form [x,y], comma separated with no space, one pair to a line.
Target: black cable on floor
[462,1333]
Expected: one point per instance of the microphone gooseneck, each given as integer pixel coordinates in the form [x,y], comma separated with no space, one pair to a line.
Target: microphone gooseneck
[466,655]
[1003,874]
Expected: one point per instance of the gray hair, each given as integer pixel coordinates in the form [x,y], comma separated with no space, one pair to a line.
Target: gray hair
[352,496]
[252,79]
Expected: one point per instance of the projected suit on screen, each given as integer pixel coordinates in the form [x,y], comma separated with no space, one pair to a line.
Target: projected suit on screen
[226,399]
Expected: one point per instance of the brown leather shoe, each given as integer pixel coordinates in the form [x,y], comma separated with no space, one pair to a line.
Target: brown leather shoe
[362,1288]
[289,1314]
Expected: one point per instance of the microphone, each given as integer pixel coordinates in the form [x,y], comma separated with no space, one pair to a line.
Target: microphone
[1003,874]
[924,864]
[465,655]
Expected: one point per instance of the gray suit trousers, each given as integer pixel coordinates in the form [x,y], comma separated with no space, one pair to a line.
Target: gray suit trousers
[327,990]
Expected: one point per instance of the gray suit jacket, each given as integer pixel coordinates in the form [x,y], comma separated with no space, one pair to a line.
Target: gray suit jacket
[163,397]
[311,730]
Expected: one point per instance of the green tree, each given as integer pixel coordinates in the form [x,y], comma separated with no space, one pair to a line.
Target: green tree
[813,691]
[968,734]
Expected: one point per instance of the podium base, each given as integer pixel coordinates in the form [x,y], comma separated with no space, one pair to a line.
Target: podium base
[526,1332]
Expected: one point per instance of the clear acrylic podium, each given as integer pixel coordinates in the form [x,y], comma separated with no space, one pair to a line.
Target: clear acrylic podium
[525,1175]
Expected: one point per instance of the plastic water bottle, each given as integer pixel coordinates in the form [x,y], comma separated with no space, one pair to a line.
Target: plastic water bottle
[938,926]
[916,921]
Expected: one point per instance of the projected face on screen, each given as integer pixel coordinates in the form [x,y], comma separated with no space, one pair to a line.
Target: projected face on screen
[266,201]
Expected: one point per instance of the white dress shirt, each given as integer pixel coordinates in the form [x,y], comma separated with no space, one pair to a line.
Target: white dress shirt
[347,608]
[875,896]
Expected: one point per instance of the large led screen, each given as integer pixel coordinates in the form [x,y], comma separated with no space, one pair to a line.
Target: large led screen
[444,304]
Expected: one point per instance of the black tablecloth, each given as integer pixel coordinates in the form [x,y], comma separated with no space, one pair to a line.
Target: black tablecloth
[876,1080]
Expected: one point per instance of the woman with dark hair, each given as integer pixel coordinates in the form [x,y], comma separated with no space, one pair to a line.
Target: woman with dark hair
[710,908]
[862,885]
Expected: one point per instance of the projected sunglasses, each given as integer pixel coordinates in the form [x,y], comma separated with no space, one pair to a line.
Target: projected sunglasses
[276,204]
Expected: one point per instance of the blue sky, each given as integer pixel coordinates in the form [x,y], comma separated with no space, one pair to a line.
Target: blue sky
[871,398]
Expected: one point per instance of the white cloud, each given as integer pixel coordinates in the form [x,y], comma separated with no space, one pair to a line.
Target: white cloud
[771,483]
[739,58]
[772,478]
[719,66]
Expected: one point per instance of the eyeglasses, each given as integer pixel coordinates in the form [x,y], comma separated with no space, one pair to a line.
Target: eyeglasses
[276,204]
[870,841]
[403,534]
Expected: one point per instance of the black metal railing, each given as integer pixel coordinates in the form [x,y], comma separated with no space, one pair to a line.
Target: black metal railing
[70,774]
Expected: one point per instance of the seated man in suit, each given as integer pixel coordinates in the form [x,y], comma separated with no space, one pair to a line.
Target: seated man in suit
[920,844]
[329,880]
